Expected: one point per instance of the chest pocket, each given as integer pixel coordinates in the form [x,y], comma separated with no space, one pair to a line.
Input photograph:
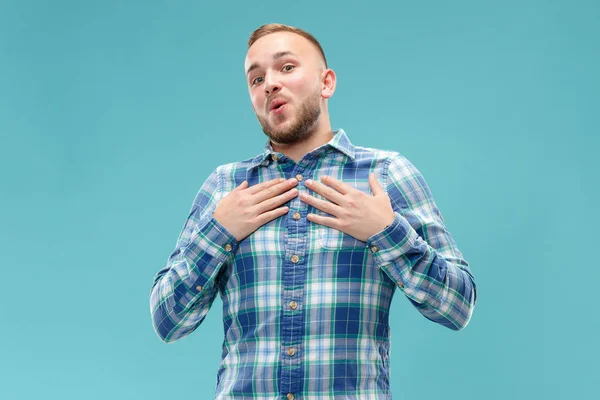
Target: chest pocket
[356,176]
[332,239]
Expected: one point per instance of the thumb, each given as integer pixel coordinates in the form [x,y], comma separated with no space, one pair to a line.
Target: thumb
[375,186]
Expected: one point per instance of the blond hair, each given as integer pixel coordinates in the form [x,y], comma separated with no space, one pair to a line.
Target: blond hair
[272,28]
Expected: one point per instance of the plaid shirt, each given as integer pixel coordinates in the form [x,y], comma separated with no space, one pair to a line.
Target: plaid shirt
[306,307]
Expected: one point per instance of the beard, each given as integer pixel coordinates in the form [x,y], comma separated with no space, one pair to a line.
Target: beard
[300,128]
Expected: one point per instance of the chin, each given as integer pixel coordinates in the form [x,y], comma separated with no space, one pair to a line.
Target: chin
[283,125]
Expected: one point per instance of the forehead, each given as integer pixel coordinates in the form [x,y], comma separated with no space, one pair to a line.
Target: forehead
[263,49]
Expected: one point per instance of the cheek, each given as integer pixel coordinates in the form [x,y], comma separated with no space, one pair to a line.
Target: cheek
[257,102]
[297,84]
[302,86]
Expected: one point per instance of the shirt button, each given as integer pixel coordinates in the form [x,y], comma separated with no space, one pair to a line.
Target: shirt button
[275,157]
[290,396]
[296,216]
[293,305]
[227,247]
[400,284]
[374,249]
[291,352]
[199,288]
[299,177]
[295,259]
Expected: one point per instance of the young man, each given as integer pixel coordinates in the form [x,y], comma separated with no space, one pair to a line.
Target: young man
[306,244]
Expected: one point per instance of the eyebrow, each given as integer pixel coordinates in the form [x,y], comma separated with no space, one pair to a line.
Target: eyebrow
[277,55]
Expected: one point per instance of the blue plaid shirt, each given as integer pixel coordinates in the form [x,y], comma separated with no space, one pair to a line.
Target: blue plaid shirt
[306,307]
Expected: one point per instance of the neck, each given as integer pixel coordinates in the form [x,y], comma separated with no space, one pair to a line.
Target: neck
[318,137]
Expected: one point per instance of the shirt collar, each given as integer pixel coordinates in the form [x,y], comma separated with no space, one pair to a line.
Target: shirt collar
[339,142]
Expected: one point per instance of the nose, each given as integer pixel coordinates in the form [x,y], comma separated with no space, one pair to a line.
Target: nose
[271,85]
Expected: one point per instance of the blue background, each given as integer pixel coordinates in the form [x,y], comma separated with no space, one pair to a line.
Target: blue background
[113,113]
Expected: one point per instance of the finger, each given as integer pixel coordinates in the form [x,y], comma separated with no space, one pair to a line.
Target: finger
[241,186]
[271,215]
[376,187]
[325,206]
[326,221]
[274,190]
[325,191]
[336,184]
[264,185]
[276,201]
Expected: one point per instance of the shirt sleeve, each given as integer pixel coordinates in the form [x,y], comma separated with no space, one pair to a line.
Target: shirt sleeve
[184,290]
[418,252]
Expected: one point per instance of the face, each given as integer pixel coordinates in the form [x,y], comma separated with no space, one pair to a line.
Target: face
[285,72]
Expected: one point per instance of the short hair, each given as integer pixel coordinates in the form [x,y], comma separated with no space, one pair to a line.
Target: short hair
[272,28]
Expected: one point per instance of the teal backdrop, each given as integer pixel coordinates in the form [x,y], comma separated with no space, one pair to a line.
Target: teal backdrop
[112,114]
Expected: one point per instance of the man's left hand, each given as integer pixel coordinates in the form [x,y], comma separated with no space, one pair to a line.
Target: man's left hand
[356,213]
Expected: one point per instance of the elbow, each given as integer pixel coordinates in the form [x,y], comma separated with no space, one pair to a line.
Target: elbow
[451,324]
[456,318]
[454,324]
[166,338]
[169,333]
[169,325]
[163,313]
[164,326]
[461,323]
[465,313]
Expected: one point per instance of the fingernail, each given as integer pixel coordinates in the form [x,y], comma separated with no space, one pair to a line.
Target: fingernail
[309,182]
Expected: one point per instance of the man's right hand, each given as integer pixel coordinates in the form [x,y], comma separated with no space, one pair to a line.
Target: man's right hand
[245,209]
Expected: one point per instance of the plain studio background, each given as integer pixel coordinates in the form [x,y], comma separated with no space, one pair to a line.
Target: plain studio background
[113,113]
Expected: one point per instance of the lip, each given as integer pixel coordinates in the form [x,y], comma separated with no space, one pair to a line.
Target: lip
[276,103]
[279,110]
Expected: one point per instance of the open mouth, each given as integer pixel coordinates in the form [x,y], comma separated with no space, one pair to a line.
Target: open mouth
[277,105]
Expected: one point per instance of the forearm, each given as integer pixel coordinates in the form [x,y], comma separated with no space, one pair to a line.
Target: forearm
[439,284]
[183,291]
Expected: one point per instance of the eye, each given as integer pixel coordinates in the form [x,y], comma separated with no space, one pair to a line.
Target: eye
[257,80]
[288,68]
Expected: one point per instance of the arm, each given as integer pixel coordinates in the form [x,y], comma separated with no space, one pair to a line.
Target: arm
[183,291]
[418,253]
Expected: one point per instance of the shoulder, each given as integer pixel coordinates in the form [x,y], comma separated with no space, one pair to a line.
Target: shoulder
[234,173]
[395,169]
[388,159]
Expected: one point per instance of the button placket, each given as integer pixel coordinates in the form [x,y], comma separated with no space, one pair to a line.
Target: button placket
[294,274]
[296,216]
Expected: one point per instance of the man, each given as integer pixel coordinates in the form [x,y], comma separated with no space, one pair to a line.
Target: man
[306,244]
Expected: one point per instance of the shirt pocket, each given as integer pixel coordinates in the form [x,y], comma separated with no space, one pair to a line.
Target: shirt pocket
[332,239]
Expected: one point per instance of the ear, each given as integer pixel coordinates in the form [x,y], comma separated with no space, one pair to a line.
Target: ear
[328,80]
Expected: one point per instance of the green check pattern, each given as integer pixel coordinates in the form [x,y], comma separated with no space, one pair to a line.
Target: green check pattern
[305,307]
